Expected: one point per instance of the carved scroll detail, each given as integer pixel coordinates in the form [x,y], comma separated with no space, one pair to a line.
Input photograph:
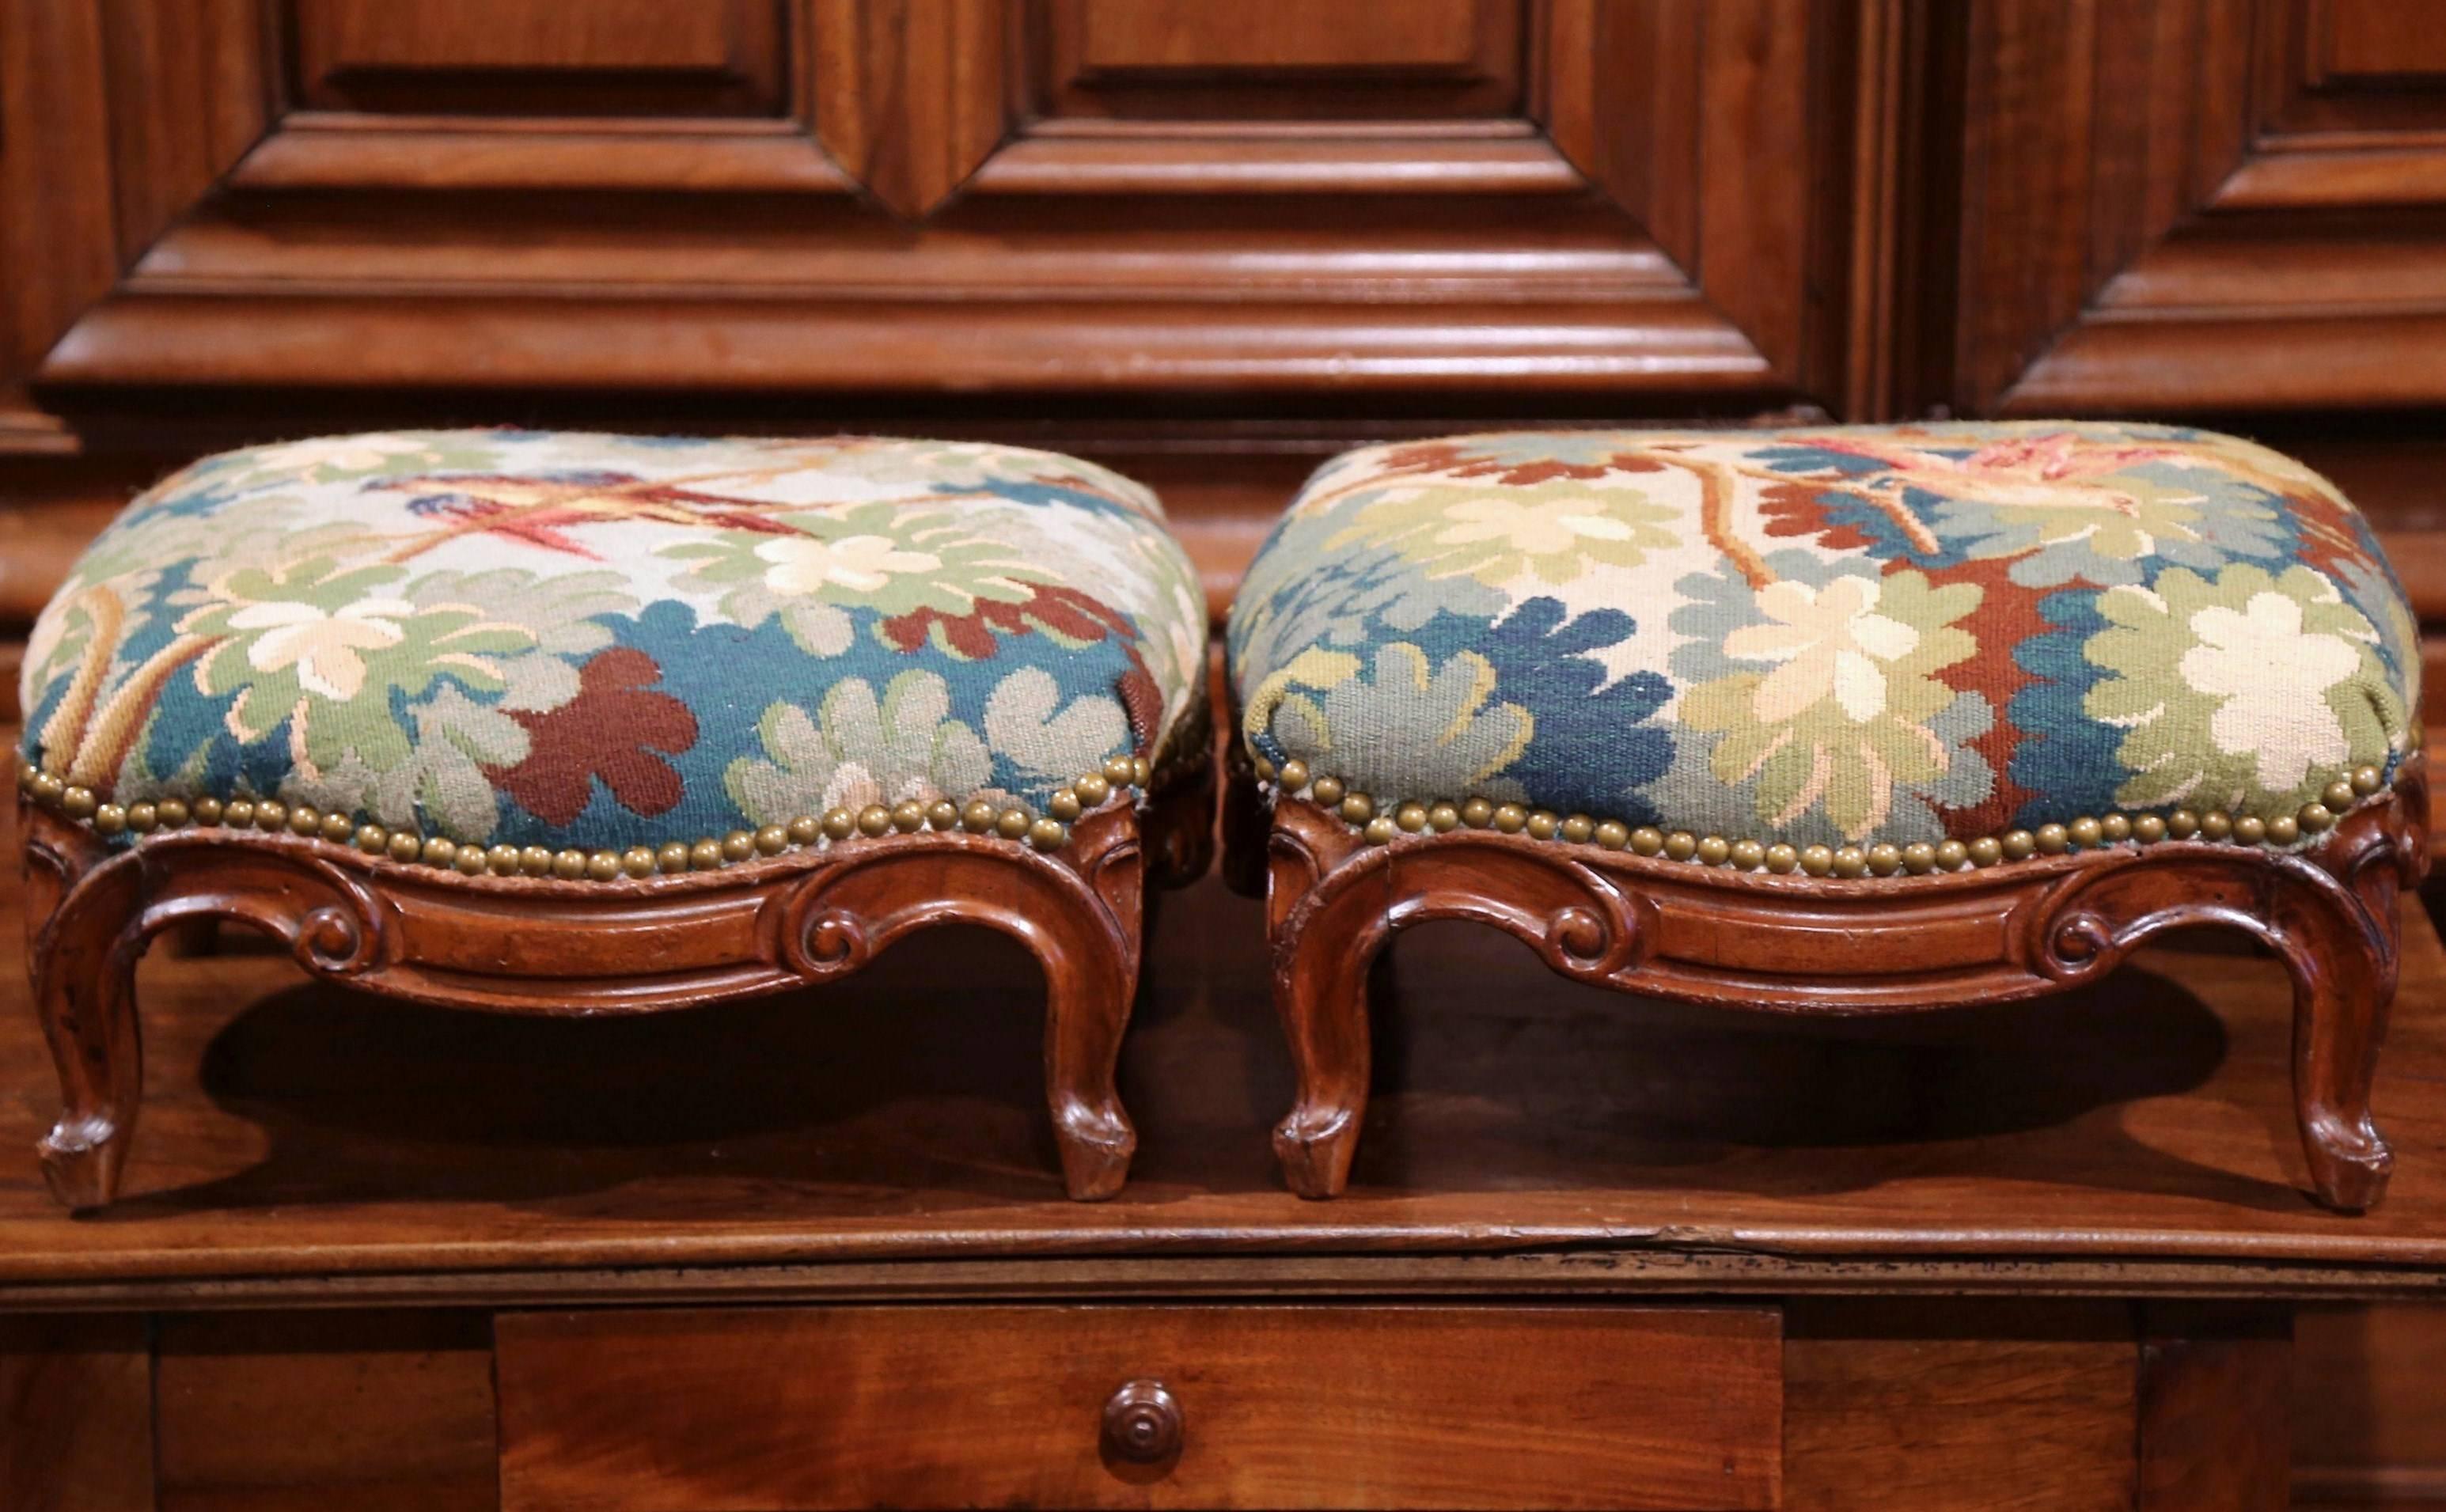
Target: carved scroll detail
[1795,943]
[519,945]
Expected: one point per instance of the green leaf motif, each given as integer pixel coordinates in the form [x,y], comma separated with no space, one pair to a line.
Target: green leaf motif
[330,647]
[1840,716]
[859,750]
[2250,691]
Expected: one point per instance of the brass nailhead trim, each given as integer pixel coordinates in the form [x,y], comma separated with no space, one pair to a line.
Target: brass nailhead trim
[1049,830]
[1879,859]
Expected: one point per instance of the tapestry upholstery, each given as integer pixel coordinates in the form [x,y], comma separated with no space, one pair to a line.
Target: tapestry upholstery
[596,641]
[1829,636]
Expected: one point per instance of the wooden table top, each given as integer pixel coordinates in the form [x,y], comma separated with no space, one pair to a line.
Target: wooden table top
[886,1134]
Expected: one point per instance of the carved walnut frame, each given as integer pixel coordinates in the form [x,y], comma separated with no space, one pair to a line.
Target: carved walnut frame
[542,946]
[1797,944]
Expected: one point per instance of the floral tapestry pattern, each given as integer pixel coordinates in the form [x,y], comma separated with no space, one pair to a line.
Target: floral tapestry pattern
[596,642]
[1828,636]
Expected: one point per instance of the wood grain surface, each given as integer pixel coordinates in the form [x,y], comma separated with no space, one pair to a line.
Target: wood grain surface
[1953,1407]
[2216,1408]
[313,1410]
[2370,1407]
[76,1414]
[1330,1407]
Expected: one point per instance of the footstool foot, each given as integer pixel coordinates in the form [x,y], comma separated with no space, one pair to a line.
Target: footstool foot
[1315,1147]
[1096,1144]
[2351,1176]
[83,964]
[82,1159]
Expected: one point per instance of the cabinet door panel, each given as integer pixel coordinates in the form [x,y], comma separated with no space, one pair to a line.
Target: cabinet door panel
[1183,59]
[2203,205]
[591,57]
[2377,39]
[1620,202]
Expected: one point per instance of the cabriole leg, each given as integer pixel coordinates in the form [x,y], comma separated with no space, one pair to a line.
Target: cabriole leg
[1322,951]
[1090,954]
[2344,966]
[84,972]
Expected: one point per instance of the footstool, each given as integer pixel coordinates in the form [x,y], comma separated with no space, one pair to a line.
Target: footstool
[562,723]
[1834,720]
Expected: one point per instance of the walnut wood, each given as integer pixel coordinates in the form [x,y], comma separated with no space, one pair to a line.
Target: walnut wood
[1863,1403]
[1946,1407]
[543,946]
[909,96]
[2367,1428]
[76,1414]
[1437,61]
[512,57]
[513,181]
[2215,1409]
[2370,38]
[1817,946]
[63,257]
[301,1412]
[1324,1407]
[2178,207]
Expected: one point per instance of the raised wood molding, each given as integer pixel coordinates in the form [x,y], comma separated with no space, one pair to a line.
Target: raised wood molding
[1647,222]
[2167,208]
[704,58]
[341,150]
[910,97]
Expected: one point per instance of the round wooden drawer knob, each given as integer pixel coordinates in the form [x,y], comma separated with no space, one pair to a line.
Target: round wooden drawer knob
[1142,1424]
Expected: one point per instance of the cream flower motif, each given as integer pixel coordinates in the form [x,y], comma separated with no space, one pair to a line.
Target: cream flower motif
[863,564]
[2272,676]
[1829,640]
[2251,691]
[322,644]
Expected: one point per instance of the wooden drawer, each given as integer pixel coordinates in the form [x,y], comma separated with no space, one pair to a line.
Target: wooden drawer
[694,1410]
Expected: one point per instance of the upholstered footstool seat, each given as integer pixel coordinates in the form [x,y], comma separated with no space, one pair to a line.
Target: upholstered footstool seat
[1837,720]
[575,723]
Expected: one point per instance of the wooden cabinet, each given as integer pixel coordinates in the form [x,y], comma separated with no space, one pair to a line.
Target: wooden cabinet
[1156,199]
[1930,1405]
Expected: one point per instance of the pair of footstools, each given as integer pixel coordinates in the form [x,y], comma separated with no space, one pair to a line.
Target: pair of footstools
[1826,721]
